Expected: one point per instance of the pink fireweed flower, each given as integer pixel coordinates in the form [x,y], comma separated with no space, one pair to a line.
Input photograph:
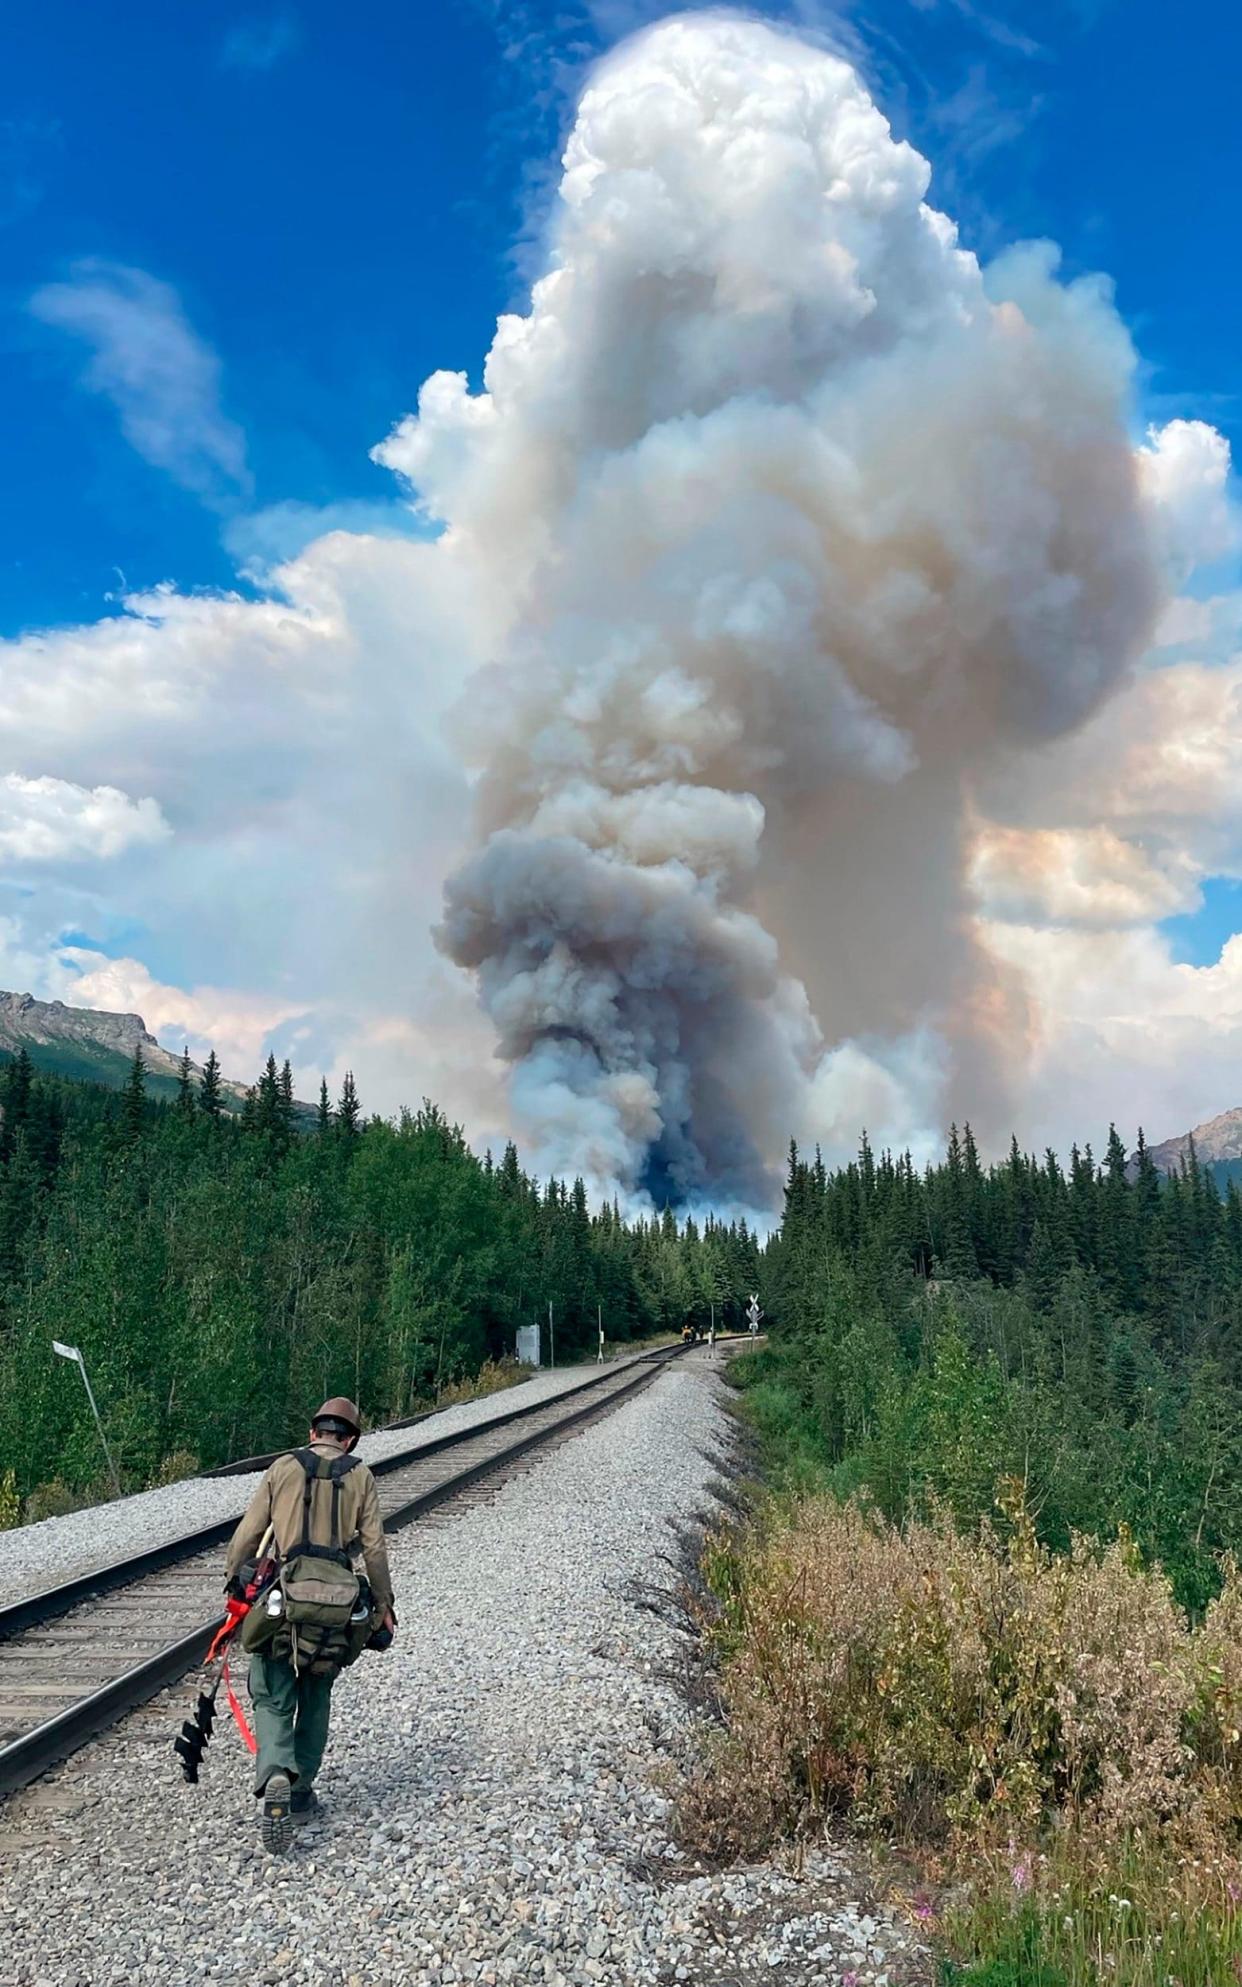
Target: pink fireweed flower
[1022,1875]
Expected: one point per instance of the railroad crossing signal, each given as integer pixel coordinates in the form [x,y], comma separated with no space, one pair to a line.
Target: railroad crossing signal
[754,1311]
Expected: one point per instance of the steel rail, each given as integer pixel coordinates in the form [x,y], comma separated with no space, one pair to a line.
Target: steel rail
[250,1465]
[25,1758]
[31,1610]
[33,1751]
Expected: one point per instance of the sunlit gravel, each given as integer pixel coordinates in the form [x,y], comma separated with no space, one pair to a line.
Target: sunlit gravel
[496,1810]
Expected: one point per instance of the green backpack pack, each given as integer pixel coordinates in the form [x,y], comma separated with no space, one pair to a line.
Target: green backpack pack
[318,1612]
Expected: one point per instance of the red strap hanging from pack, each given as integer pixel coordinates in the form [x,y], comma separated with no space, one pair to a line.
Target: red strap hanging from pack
[239,1717]
[235,1611]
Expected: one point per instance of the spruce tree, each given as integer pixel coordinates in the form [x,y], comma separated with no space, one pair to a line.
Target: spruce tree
[19,1185]
[185,1086]
[1043,1270]
[285,1099]
[959,1259]
[45,1130]
[976,1200]
[348,1111]
[1233,1229]
[1115,1227]
[1083,1204]
[323,1116]
[18,1089]
[209,1088]
[267,1101]
[134,1101]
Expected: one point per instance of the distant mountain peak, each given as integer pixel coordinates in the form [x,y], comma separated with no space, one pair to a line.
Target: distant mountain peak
[25,1019]
[89,1042]
[1216,1141]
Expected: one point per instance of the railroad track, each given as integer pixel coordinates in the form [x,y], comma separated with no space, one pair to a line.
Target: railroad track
[76,1657]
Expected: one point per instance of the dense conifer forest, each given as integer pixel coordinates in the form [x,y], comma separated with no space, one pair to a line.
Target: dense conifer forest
[222,1271]
[1075,1330]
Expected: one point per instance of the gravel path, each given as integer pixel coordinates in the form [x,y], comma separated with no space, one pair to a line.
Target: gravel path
[495,1812]
[37,1556]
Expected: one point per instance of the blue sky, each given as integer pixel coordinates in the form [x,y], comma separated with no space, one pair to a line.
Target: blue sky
[1197,937]
[339,198]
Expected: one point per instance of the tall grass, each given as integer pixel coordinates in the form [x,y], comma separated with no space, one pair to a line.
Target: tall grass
[1141,1917]
[1047,1732]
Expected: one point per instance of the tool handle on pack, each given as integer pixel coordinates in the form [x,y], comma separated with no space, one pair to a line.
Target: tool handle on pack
[237,1605]
[253,1574]
[264,1567]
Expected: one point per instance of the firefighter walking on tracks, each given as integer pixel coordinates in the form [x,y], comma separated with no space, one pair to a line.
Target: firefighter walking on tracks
[314,1614]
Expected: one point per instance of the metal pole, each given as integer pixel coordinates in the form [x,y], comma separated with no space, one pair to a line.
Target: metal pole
[116,1481]
[72,1352]
[600,1359]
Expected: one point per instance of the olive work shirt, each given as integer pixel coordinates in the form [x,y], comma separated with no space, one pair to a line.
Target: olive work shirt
[279,1502]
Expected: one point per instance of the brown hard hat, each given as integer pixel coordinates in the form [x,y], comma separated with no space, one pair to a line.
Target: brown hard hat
[339,1409]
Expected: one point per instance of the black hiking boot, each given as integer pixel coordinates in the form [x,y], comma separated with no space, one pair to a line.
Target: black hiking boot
[306,1805]
[276,1827]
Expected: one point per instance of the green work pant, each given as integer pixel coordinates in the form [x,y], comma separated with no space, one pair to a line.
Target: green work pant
[291,1715]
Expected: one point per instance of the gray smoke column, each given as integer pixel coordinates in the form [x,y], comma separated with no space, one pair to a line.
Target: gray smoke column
[797,517]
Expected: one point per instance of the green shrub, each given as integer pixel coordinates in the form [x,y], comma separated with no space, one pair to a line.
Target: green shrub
[176,1466]
[54,1500]
[492,1378]
[1047,1729]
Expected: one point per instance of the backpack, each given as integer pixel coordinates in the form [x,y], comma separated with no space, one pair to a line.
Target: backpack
[323,1614]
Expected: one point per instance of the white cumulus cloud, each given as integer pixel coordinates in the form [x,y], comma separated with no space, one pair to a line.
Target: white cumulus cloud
[236,1024]
[1088,876]
[296,741]
[1185,470]
[50,820]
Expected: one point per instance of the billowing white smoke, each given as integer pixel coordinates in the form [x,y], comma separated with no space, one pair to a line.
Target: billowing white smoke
[799,517]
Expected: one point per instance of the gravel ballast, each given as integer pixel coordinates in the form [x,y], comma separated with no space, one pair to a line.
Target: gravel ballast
[33,1557]
[495,1806]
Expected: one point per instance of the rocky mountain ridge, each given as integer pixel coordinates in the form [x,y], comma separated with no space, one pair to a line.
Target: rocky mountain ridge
[91,1042]
[1218,1142]
[25,1020]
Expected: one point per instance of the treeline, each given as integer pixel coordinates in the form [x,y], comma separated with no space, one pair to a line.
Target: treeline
[222,1271]
[1075,1330]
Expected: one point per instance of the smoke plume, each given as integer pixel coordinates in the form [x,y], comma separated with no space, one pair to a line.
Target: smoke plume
[798,520]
